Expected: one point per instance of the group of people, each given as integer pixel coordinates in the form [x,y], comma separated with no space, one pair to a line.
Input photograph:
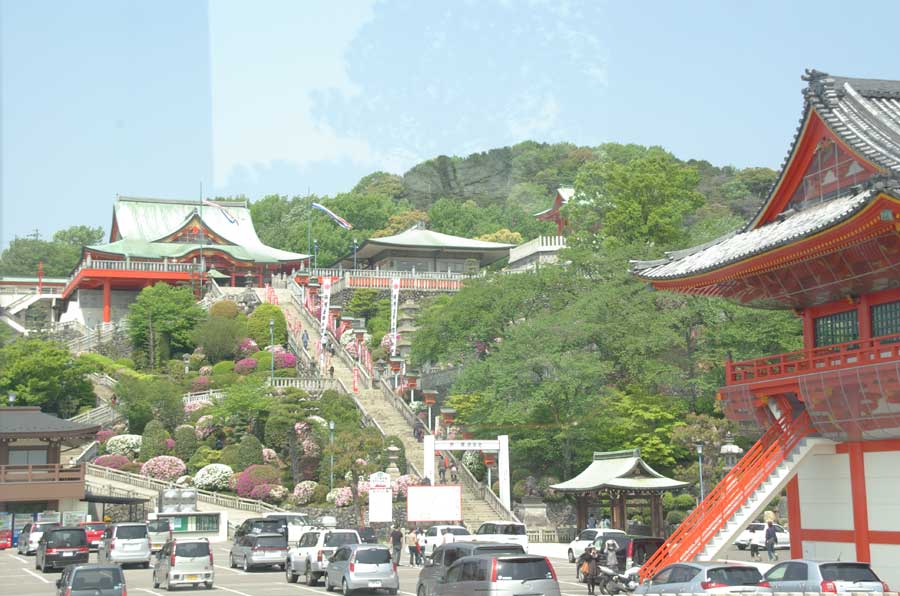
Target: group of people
[770,539]
[443,466]
[588,564]
[414,539]
[593,523]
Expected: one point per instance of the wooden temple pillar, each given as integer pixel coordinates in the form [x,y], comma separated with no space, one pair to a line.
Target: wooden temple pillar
[581,511]
[618,516]
[657,521]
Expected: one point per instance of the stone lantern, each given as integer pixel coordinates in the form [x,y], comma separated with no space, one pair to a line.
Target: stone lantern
[393,469]
[730,453]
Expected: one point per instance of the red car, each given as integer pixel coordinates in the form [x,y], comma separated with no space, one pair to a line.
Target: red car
[94,531]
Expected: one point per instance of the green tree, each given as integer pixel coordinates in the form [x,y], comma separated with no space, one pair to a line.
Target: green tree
[227,309]
[220,337]
[161,321]
[143,399]
[185,442]
[402,222]
[44,373]
[249,452]
[258,325]
[154,440]
[363,304]
[79,236]
[503,235]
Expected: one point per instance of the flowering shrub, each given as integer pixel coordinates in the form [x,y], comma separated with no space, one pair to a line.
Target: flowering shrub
[311,448]
[269,455]
[206,371]
[184,481]
[127,445]
[247,347]
[116,462]
[164,467]
[200,383]
[387,341]
[254,476]
[317,419]
[205,426]
[170,444]
[302,429]
[362,488]
[285,360]
[104,435]
[278,493]
[271,493]
[213,477]
[360,462]
[303,492]
[400,486]
[245,366]
[341,497]
[194,406]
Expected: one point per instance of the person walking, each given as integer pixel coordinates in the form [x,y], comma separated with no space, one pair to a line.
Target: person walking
[304,338]
[397,543]
[454,477]
[771,541]
[586,567]
[419,540]
[754,547]
[331,371]
[442,469]
[448,537]
[591,522]
[411,546]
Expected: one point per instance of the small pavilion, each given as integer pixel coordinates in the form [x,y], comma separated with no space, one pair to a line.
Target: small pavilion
[560,199]
[620,478]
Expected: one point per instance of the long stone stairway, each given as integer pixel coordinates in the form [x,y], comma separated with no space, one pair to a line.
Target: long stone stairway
[389,420]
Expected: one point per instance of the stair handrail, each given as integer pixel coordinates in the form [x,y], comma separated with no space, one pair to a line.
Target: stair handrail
[729,495]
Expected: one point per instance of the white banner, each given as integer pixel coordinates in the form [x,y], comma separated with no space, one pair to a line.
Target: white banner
[325,301]
[381,502]
[471,445]
[395,303]
[434,503]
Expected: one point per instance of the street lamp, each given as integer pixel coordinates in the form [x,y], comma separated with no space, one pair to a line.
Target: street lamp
[699,446]
[355,248]
[187,363]
[272,343]
[331,472]
[315,254]
[11,396]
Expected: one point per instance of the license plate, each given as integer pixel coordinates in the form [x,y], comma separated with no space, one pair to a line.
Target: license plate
[68,554]
[192,578]
[375,584]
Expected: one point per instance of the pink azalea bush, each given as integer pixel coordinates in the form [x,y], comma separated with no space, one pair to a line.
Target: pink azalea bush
[254,476]
[362,488]
[271,493]
[269,456]
[400,486]
[206,371]
[104,435]
[196,406]
[163,467]
[205,426]
[302,429]
[304,491]
[285,360]
[247,347]
[310,447]
[245,366]
[341,497]
[116,462]
[201,383]
[170,444]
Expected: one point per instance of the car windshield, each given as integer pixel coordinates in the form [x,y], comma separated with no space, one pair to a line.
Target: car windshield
[159,525]
[519,569]
[459,531]
[373,556]
[340,538]
[754,527]
[735,576]
[95,526]
[191,549]
[44,526]
[848,572]
[271,542]
[63,538]
[131,532]
[264,527]
[511,529]
[96,579]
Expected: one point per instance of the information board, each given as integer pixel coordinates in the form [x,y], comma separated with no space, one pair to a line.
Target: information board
[434,503]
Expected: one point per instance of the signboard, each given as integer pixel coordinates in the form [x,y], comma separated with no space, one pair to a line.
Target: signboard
[323,317]
[395,304]
[434,503]
[381,498]
[73,518]
[49,516]
[470,445]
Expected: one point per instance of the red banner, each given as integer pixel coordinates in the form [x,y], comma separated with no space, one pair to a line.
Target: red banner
[355,379]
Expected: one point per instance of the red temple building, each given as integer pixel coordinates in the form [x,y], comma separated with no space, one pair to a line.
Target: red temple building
[563,196]
[171,241]
[826,245]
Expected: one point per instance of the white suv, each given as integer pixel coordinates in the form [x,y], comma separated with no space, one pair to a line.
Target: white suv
[310,556]
[506,532]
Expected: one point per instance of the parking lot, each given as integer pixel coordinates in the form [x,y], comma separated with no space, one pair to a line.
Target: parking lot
[19,577]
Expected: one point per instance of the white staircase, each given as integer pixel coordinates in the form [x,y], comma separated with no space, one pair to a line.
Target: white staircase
[13,323]
[755,505]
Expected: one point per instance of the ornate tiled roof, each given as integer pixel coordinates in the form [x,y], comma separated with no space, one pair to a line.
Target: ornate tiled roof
[619,470]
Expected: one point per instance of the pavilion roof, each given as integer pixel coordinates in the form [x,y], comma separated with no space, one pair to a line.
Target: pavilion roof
[619,470]
[564,194]
[29,422]
[864,116]
[417,238]
[141,249]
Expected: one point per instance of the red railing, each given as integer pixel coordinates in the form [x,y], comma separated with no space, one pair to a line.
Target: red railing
[41,473]
[846,355]
[729,495]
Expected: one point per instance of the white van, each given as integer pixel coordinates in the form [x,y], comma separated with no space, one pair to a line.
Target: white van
[293,524]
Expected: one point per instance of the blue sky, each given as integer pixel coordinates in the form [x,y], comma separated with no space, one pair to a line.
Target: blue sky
[101,97]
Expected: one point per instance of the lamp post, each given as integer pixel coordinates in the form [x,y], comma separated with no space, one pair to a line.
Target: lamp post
[315,254]
[331,469]
[272,344]
[11,396]
[355,248]
[699,446]
[187,363]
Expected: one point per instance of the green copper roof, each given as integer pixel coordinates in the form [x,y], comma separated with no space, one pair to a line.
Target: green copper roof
[622,470]
[141,249]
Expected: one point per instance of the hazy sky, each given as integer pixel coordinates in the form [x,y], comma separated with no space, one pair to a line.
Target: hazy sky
[101,97]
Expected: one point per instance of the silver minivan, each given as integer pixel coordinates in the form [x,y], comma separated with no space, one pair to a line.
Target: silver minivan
[126,543]
[184,562]
[258,550]
[362,567]
[160,531]
[499,576]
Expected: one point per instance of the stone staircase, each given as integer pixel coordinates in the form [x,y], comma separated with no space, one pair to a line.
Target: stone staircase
[389,419]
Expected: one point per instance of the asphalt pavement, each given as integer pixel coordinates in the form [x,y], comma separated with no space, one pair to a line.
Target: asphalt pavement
[19,577]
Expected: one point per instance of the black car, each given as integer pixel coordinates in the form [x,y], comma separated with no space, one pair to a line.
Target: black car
[91,580]
[367,535]
[261,525]
[60,547]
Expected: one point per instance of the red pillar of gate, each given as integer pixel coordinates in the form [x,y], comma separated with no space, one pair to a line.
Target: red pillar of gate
[107,299]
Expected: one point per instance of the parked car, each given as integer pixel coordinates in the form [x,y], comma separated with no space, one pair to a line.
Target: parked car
[444,556]
[757,533]
[362,567]
[292,525]
[434,536]
[633,551]
[522,574]
[258,550]
[259,525]
[159,531]
[310,557]
[91,580]
[708,578]
[584,539]
[126,543]
[502,531]
[184,562]
[31,534]
[94,530]
[828,576]
[59,547]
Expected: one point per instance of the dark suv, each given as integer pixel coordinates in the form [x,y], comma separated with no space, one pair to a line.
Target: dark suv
[261,525]
[60,547]
[633,551]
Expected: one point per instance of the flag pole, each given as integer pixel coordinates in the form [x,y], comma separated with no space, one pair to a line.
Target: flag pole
[201,239]
[308,229]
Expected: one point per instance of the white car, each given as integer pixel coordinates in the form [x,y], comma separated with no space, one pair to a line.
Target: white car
[505,532]
[756,533]
[584,539]
[309,557]
[434,537]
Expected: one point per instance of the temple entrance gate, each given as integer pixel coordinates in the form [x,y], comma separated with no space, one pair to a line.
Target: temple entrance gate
[499,445]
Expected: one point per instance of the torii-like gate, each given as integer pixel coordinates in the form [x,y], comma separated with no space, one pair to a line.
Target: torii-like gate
[500,445]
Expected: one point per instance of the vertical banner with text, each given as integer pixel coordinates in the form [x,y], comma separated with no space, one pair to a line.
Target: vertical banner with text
[395,303]
[325,301]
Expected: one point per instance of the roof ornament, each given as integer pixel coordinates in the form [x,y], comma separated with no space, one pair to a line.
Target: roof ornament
[820,84]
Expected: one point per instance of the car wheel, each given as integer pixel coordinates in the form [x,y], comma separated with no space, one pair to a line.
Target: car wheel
[231,562]
[742,547]
[209,585]
[147,565]
[345,589]
[571,556]
[311,579]
[246,566]
[289,574]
